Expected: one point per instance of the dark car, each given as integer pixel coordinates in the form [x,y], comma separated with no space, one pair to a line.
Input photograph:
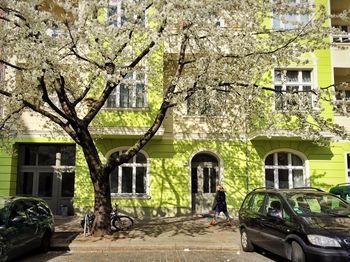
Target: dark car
[342,190]
[297,224]
[26,223]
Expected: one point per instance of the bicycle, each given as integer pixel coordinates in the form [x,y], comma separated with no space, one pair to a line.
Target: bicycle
[118,222]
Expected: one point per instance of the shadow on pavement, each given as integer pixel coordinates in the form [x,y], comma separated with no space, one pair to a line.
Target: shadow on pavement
[187,226]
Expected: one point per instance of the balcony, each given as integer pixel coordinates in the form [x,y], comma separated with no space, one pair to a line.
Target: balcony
[340,51]
[342,96]
[344,37]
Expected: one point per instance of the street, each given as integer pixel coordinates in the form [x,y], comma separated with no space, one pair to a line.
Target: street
[151,256]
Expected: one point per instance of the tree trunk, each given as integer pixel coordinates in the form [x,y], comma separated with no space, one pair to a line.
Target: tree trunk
[100,181]
[102,208]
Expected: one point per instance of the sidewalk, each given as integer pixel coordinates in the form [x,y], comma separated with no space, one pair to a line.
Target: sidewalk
[180,233]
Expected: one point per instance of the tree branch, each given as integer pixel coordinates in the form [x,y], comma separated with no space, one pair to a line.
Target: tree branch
[47,99]
[166,104]
[110,85]
[8,117]
[149,47]
[11,65]
[52,117]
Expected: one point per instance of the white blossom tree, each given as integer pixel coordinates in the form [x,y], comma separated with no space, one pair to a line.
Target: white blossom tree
[215,51]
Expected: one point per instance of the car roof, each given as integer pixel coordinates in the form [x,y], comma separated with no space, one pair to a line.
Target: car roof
[341,188]
[14,198]
[289,190]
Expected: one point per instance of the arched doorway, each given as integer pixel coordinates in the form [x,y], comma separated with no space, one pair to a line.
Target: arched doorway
[204,177]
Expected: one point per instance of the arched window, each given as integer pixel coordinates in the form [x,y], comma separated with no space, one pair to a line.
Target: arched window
[130,178]
[284,170]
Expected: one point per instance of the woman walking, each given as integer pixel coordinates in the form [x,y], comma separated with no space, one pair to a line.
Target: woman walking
[219,205]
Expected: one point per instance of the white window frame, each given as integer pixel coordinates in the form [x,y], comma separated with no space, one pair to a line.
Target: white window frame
[299,83]
[119,14]
[132,96]
[287,25]
[347,167]
[133,165]
[2,78]
[217,20]
[57,169]
[343,38]
[275,167]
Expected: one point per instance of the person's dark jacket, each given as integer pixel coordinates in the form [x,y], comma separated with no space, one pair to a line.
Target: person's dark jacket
[219,204]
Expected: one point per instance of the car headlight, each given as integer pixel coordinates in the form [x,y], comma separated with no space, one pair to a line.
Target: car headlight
[323,241]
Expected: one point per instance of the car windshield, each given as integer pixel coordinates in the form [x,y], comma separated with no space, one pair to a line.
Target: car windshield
[317,204]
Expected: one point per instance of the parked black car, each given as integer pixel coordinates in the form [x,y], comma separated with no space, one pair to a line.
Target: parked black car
[299,224]
[342,190]
[26,223]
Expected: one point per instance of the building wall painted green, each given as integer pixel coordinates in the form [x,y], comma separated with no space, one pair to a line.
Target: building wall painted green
[170,170]
[8,173]
[9,161]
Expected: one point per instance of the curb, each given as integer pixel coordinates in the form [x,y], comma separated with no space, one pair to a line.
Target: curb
[133,248]
[172,235]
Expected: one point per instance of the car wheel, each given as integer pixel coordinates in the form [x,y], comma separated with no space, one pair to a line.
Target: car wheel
[247,245]
[297,253]
[45,242]
[3,252]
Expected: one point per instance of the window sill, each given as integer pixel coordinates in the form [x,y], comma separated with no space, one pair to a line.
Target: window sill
[316,109]
[127,109]
[130,196]
[203,116]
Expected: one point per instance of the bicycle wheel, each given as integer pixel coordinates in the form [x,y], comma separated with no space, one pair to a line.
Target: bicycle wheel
[122,222]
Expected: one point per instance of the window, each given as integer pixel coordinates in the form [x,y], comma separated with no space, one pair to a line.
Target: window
[47,155]
[54,31]
[129,94]
[2,78]
[294,18]
[118,15]
[293,89]
[274,207]
[284,170]
[342,94]
[216,20]
[204,173]
[344,37]
[130,179]
[348,167]
[258,203]
[42,165]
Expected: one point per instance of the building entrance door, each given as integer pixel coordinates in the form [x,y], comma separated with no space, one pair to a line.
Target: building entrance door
[47,171]
[56,187]
[204,177]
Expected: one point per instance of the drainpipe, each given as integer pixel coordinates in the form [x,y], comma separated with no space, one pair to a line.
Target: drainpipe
[246,164]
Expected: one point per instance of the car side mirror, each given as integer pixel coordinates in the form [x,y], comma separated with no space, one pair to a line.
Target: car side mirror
[18,219]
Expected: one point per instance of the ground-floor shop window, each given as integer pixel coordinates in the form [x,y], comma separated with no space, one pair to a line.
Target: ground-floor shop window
[284,170]
[47,171]
[130,179]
